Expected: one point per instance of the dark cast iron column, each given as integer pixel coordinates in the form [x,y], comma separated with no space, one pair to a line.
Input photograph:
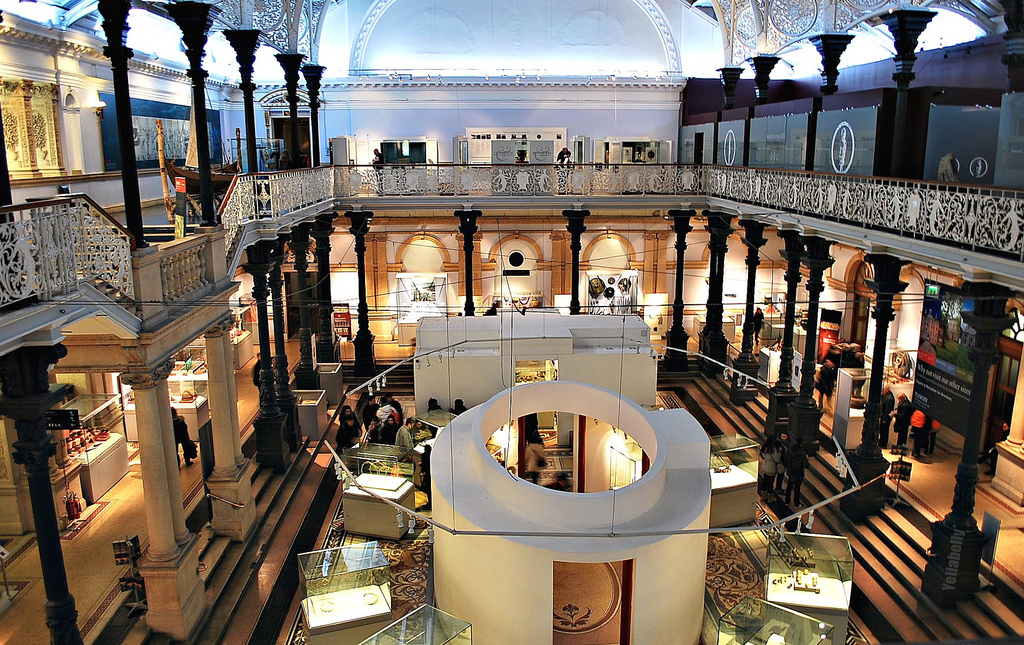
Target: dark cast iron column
[906,26]
[576,227]
[195,19]
[366,365]
[291,63]
[782,393]
[27,397]
[747,362]
[953,570]
[245,43]
[867,462]
[313,74]
[306,375]
[285,398]
[763,66]
[804,414]
[468,228]
[679,361]
[716,345]
[115,26]
[831,48]
[271,447]
[326,348]
[730,79]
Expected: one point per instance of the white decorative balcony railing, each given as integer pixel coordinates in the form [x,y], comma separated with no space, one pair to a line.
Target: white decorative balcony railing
[183,269]
[47,248]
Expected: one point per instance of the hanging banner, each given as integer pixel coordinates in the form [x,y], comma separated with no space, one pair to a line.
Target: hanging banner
[942,386]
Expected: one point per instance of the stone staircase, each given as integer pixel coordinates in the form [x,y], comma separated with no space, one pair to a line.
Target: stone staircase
[890,549]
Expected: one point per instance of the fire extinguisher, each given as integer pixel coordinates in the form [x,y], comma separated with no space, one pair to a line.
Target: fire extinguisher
[72,505]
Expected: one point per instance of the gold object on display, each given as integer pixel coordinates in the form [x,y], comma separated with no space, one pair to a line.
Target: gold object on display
[370,598]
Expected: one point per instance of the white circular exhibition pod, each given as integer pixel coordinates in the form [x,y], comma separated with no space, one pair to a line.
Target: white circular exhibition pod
[502,580]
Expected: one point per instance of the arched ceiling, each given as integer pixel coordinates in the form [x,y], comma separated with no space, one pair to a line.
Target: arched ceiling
[545,37]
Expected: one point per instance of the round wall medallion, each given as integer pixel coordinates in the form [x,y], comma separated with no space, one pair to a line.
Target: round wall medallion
[793,17]
[516,259]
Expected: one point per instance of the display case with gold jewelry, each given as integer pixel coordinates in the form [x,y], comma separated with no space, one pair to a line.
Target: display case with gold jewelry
[345,588]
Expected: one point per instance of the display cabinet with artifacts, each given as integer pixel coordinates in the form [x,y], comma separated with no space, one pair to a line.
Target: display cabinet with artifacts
[812,574]
[613,293]
[753,621]
[346,593]
[419,295]
[379,459]
[97,444]
[536,371]
[242,337]
[311,408]
[734,468]
[369,514]
[625,460]
[851,395]
[425,625]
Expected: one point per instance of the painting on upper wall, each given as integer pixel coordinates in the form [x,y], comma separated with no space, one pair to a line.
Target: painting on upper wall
[144,116]
[30,129]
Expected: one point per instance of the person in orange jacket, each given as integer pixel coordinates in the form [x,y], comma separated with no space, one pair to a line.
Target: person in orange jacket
[919,425]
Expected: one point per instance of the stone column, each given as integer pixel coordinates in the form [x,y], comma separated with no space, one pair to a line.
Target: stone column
[365,365]
[763,66]
[26,399]
[313,74]
[229,480]
[804,415]
[953,570]
[1009,479]
[271,448]
[783,393]
[195,19]
[285,398]
[831,48]
[747,362]
[906,26]
[867,461]
[678,339]
[716,345]
[730,78]
[172,466]
[306,375]
[576,228]
[115,26]
[291,63]
[326,348]
[245,43]
[468,228]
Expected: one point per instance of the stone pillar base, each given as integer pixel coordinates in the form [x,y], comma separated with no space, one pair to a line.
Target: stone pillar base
[952,573]
[716,347]
[234,523]
[677,361]
[777,419]
[738,394]
[175,594]
[805,422]
[307,380]
[271,447]
[869,500]
[1009,479]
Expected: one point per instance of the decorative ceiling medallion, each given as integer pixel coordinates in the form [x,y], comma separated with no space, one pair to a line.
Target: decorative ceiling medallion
[793,17]
[866,5]
[746,30]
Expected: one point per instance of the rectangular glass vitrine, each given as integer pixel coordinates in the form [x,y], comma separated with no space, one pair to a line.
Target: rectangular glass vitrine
[425,626]
[345,588]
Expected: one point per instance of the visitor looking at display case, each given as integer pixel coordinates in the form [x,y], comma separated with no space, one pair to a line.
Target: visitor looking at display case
[753,621]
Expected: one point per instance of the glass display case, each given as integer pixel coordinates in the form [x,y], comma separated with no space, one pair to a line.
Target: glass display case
[345,589]
[535,371]
[421,294]
[850,396]
[97,444]
[243,336]
[753,621]
[379,459]
[812,574]
[425,625]
[625,459]
[734,466]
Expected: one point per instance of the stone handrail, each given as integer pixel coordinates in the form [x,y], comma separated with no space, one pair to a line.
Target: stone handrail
[183,268]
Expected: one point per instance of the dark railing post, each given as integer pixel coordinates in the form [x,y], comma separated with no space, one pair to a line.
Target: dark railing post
[365,365]
[804,414]
[678,361]
[323,228]
[245,43]
[715,344]
[306,375]
[313,74]
[782,393]
[831,48]
[291,63]
[468,228]
[282,387]
[747,362]
[27,398]
[954,567]
[195,19]
[867,462]
[576,227]
[763,66]
[906,26]
[730,79]
[271,447]
[115,26]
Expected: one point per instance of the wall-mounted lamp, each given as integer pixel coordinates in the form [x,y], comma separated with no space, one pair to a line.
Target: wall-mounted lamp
[102,105]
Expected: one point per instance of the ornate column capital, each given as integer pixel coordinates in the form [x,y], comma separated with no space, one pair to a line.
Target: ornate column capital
[24,371]
[906,26]
[194,19]
[467,222]
[885,283]
[245,42]
[313,75]
[763,66]
[115,27]
[144,380]
[730,78]
[831,48]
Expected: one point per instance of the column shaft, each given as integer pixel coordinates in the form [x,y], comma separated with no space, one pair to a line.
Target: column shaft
[291,63]
[576,228]
[313,74]
[678,361]
[716,345]
[306,376]
[163,547]
[326,348]
[220,364]
[782,393]
[245,42]
[468,228]
[171,467]
[285,398]
[365,365]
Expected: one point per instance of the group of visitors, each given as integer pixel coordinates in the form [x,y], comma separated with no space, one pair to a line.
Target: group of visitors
[906,421]
[783,463]
[382,422]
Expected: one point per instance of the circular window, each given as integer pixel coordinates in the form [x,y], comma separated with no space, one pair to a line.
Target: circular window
[516,259]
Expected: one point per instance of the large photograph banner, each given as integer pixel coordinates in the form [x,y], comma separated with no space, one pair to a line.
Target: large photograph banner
[942,387]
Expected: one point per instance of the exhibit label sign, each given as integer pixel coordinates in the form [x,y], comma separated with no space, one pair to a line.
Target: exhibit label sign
[942,387]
